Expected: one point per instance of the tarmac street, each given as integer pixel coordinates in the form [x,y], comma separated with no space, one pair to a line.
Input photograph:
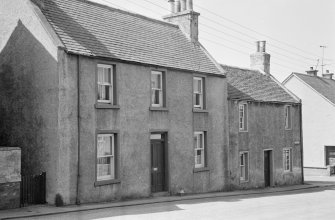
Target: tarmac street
[312,203]
[313,200]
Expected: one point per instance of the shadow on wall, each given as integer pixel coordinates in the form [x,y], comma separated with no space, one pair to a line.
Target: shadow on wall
[24,85]
[82,40]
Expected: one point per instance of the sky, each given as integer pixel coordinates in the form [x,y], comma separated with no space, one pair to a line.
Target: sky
[293,29]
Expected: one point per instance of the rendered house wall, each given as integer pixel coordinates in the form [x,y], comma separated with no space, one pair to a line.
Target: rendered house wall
[36,105]
[135,121]
[318,123]
[266,130]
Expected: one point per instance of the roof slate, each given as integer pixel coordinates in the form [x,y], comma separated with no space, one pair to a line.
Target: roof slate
[91,29]
[252,85]
[326,87]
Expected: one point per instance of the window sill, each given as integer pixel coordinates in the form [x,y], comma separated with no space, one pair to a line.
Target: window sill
[162,109]
[200,110]
[243,131]
[106,182]
[106,106]
[244,181]
[202,169]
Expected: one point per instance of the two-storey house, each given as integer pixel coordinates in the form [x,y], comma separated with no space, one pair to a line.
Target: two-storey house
[109,103]
[265,147]
[318,114]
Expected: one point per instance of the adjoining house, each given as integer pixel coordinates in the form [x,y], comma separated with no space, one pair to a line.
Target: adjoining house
[111,104]
[318,101]
[265,139]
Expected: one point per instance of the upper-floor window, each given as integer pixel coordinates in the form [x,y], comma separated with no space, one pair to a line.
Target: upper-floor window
[198,93]
[106,84]
[157,89]
[287,158]
[199,149]
[243,117]
[288,117]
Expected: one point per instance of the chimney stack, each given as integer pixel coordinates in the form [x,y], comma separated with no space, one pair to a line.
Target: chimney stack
[260,59]
[328,75]
[184,16]
[312,72]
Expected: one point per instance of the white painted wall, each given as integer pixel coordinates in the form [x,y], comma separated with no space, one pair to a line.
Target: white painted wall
[11,11]
[318,122]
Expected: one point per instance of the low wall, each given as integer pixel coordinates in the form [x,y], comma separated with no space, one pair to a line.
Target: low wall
[10,177]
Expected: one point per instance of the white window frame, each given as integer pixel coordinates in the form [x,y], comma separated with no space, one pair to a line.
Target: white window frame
[200,93]
[112,176]
[287,162]
[161,90]
[101,83]
[288,117]
[244,175]
[243,117]
[199,147]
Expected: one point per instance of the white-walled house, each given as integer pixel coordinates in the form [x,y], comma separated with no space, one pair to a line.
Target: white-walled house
[318,113]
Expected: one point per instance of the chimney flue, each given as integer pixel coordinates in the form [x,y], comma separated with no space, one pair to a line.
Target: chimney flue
[312,72]
[260,59]
[183,5]
[190,5]
[177,6]
[328,75]
[172,7]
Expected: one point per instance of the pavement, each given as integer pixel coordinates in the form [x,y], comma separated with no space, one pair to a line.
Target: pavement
[48,210]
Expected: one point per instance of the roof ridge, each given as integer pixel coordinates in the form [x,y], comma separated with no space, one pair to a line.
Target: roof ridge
[240,68]
[126,12]
[319,77]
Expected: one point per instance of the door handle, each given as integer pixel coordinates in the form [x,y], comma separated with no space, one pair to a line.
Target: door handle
[155,169]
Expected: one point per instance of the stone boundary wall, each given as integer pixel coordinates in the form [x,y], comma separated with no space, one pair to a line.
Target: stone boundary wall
[10,177]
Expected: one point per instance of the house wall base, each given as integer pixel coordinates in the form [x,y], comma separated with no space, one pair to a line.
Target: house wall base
[316,171]
[10,195]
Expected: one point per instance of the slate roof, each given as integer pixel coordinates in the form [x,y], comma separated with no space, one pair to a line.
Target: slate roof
[326,87]
[91,29]
[252,85]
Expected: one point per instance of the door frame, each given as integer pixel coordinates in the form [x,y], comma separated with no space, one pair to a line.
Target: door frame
[164,133]
[271,165]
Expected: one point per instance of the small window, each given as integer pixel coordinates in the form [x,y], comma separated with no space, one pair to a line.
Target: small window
[157,89]
[105,81]
[106,157]
[287,157]
[198,93]
[244,166]
[243,117]
[199,149]
[288,117]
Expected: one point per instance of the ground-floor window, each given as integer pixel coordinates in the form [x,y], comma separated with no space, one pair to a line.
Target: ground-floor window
[106,161]
[287,157]
[330,155]
[199,149]
[244,166]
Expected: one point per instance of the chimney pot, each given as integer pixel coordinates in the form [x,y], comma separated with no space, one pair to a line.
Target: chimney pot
[190,5]
[183,5]
[263,46]
[257,46]
[172,7]
[177,6]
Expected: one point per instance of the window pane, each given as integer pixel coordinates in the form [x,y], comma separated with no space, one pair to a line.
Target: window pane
[246,167]
[100,74]
[200,86]
[104,145]
[156,81]
[197,99]
[195,86]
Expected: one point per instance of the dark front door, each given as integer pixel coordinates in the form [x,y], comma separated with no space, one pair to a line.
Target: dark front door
[157,166]
[267,168]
